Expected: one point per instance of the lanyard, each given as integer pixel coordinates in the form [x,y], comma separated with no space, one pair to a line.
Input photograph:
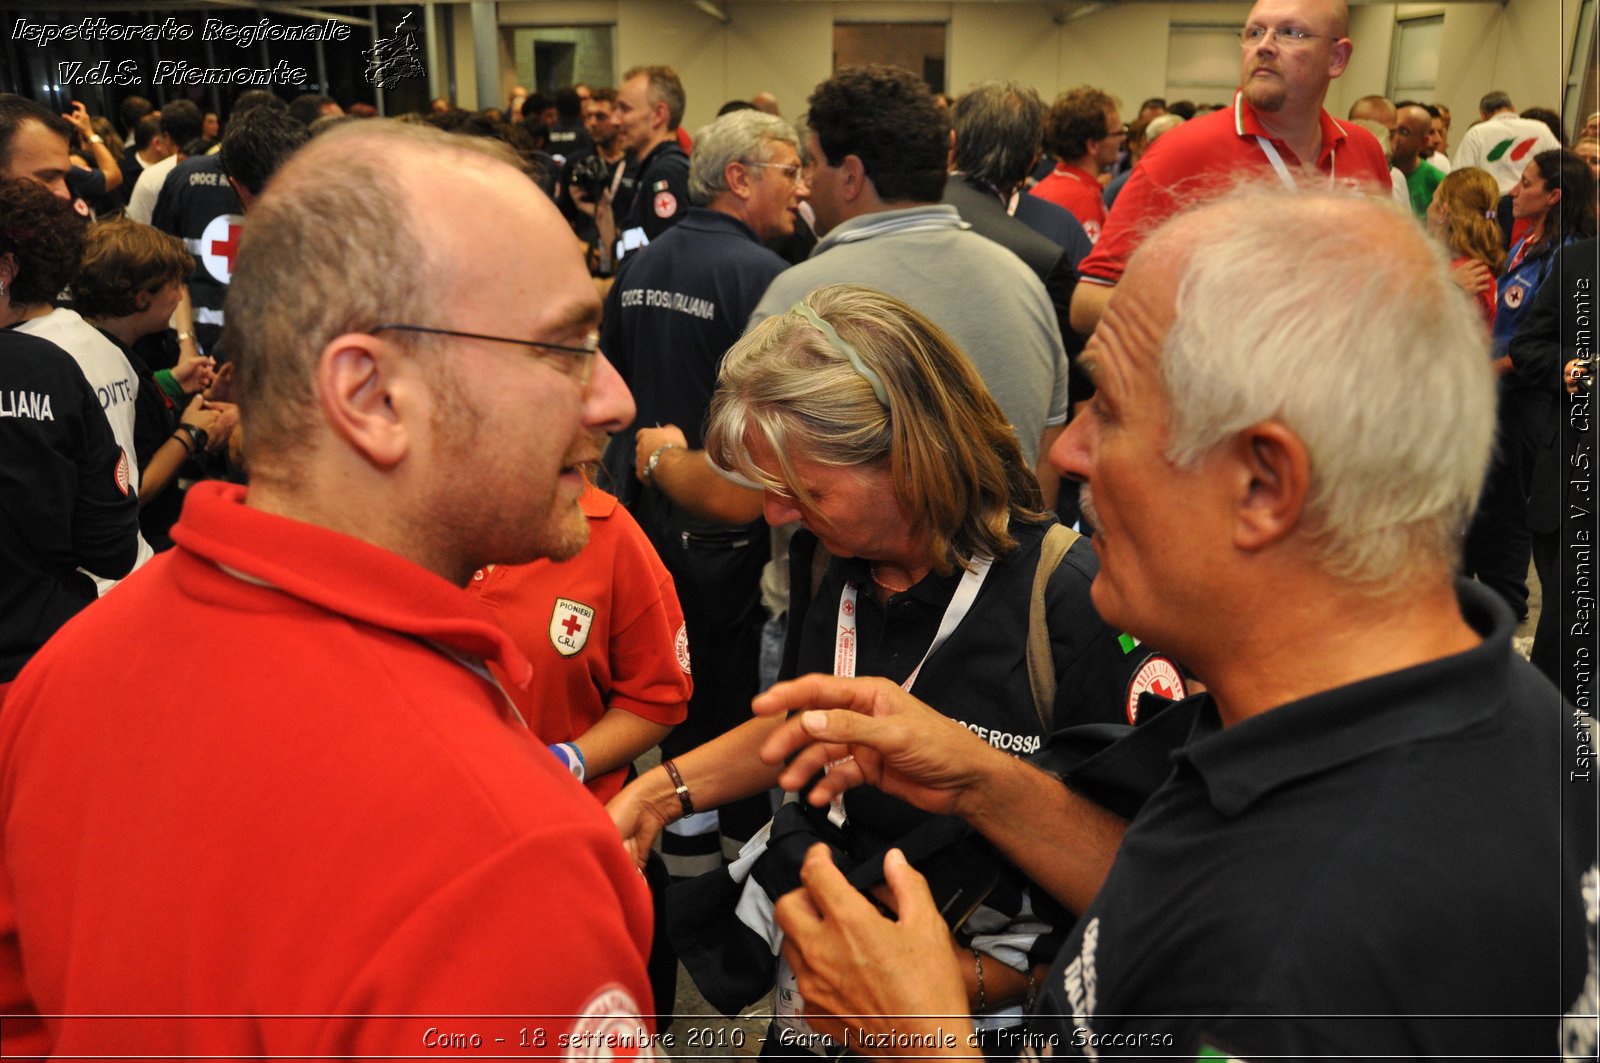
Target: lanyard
[1270,149]
[844,645]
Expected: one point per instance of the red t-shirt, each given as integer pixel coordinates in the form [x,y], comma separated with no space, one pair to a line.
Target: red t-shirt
[603,630]
[1201,158]
[1077,190]
[303,822]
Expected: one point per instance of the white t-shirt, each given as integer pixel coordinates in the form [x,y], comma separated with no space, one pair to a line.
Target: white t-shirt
[1512,141]
[115,384]
[146,190]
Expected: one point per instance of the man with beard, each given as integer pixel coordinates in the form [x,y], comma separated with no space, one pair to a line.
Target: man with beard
[1293,49]
[335,819]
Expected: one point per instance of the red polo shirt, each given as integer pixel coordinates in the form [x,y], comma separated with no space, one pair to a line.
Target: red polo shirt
[1201,158]
[1077,190]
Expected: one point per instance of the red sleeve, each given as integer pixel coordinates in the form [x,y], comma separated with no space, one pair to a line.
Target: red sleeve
[1143,204]
[649,647]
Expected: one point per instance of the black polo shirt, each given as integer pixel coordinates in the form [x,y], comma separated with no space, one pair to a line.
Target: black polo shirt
[1389,869]
[660,197]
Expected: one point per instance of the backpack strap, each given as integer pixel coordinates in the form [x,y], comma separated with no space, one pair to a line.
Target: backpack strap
[1041,662]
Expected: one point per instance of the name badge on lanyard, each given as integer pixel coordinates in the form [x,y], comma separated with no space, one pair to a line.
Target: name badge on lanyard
[844,643]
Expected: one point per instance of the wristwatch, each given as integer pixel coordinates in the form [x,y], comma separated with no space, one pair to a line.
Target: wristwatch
[655,459]
[197,436]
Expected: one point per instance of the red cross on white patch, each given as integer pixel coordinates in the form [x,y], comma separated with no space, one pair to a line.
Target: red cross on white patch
[219,245]
[570,623]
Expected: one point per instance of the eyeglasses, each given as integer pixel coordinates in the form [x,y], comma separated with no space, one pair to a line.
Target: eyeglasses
[1289,36]
[794,171]
[578,364]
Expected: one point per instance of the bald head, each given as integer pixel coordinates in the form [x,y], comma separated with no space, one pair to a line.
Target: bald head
[321,258]
[1362,346]
[1374,109]
[1413,128]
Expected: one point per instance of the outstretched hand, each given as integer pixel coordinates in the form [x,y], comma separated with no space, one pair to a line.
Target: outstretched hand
[871,731]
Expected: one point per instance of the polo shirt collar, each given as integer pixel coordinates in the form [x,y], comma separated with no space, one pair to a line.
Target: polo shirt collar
[343,575]
[926,218]
[704,219]
[932,590]
[1242,763]
[1247,124]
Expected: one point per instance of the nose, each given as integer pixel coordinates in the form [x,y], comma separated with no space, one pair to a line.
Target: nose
[1074,447]
[778,509]
[607,402]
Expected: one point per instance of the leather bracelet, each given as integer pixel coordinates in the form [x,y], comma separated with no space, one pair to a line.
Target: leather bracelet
[983,996]
[683,791]
[188,444]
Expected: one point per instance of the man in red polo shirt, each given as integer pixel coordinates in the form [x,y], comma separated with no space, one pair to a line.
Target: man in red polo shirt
[330,834]
[1293,49]
[1085,133]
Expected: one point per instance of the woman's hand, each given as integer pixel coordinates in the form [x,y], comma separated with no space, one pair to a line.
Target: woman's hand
[638,819]
[1472,277]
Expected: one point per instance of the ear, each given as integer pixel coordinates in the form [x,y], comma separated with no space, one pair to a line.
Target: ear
[1555,194]
[8,268]
[855,178]
[1273,480]
[1339,58]
[368,397]
[736,175]
[142,301]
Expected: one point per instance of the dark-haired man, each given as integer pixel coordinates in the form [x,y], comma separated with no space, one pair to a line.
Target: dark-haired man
[33,144]
[181,122]
[878,148]
[199,206]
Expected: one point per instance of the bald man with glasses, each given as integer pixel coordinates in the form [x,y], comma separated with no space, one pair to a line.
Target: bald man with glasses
[1292,52]
[331,833]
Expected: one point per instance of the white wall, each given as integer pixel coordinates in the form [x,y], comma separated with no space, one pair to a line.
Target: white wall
[1521,46]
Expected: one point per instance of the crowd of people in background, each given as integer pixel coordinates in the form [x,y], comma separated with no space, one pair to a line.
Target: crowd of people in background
[1114,461]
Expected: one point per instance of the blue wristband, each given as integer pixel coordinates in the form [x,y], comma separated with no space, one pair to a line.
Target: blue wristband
[571,758]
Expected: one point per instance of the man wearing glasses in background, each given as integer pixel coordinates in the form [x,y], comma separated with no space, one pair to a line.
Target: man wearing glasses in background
[1293,49]
[333,819]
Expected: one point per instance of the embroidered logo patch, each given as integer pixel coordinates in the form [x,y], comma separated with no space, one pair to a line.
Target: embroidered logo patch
[1514,296]
[681,646]
[122,473]
[1158,676]
[666,204]
[570,622]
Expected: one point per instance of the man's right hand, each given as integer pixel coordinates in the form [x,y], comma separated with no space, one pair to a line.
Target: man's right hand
[871,731]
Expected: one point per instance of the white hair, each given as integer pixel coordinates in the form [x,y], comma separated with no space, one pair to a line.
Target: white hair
[738,136]
[1334,315]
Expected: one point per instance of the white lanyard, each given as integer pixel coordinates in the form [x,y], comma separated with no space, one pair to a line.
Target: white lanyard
[1270,149]
[844,645]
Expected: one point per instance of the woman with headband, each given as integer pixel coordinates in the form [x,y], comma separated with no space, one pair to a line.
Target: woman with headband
[863,422]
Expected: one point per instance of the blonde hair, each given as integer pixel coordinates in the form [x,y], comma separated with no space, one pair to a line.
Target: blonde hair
[1469,196]
[958,470]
